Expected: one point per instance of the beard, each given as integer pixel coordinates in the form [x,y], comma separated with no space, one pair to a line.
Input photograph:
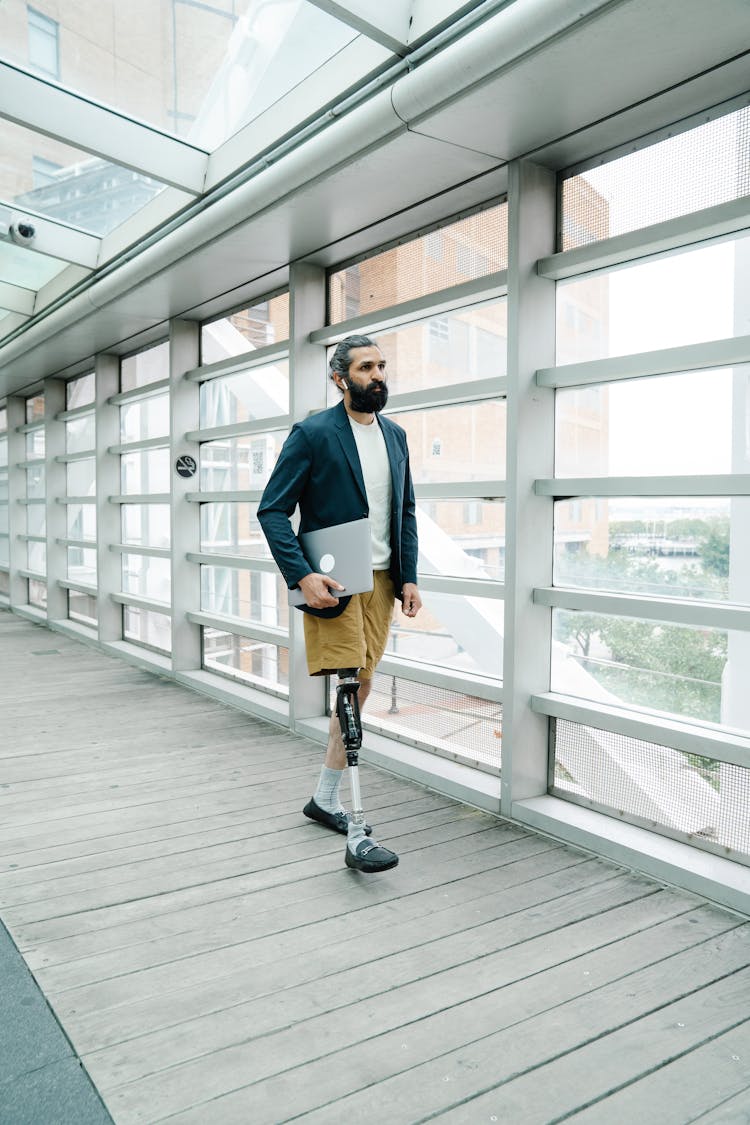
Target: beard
[369,399]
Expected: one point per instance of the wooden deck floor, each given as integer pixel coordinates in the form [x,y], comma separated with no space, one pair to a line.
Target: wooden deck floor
[213,961]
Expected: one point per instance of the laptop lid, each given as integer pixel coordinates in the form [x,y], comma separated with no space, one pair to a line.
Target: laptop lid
[344,552]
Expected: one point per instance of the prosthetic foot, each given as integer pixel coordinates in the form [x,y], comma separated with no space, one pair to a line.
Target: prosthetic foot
[362,854]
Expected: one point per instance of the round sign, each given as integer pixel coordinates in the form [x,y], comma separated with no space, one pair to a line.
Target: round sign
[186,465]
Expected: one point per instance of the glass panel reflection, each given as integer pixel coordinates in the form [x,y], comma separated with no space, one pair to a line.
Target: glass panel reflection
[146,628]
[82,565]
[246,659]
[82,521]
[261,392]
[80,434]
[456,443]
[81,477]
[149,366]
[233,529]
[82,608]
[146,525]
[147,577]
[264,323]
[239,463]
[253,595]
[146,419]
[461,633]
[462,538]
[80,392]
[145,471]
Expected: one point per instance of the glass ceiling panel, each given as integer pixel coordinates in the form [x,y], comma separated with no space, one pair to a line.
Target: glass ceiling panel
[19,266]
[197,70]
[59,182]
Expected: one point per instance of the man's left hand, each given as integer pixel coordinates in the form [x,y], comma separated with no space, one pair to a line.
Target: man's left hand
[412,603]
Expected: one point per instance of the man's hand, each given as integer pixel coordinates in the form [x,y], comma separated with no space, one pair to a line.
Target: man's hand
[412,602]
[317,590]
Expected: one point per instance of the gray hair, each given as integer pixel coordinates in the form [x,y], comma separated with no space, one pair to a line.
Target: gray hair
[342,357]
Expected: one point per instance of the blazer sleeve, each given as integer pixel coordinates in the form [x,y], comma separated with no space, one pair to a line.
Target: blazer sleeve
[409,538]
[278,503]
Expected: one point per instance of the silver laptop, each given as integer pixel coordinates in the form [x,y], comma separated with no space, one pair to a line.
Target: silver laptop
[344,552]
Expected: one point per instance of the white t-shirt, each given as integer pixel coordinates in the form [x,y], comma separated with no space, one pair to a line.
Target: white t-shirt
[376,470]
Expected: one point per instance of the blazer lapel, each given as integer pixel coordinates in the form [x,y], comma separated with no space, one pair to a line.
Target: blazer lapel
[349,446]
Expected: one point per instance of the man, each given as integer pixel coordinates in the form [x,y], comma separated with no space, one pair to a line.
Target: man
[341,465]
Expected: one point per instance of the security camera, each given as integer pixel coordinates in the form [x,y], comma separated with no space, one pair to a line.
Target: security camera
[22,233]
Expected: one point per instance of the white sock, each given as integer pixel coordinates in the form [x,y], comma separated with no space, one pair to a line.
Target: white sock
[327,794]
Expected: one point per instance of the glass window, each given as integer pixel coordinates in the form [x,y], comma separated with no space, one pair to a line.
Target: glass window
[80,434]
[37,593]
[82,565]
[36,519]
[35,483]
[36,557]
[44,53]
[261,392]
[148,418]
[675,669]
[144,627]
[685,173]
[147,577]
[262,324]
[81,476]
[471,442]
[461,633]
[246,659]
[35,444]
[684,298]
[455,347]
[146,367]
[253,595]
[678,547]
[462,540]
[82,607]
[145,471]
[3,452]
[146,525]
[239,463]
[82,521]
[683,424]
[461,251]
[80,392]
[232,529]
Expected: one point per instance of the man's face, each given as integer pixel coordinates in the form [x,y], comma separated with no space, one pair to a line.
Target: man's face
[366,383]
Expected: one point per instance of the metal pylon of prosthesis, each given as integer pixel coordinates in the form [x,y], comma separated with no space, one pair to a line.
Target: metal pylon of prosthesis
[347,710]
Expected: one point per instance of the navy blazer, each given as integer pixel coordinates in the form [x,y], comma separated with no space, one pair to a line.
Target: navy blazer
[319,470]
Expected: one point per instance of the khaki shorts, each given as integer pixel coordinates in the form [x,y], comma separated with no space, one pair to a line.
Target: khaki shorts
[357,637]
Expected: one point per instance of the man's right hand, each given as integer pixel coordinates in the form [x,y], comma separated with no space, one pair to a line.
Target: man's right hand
[317,590]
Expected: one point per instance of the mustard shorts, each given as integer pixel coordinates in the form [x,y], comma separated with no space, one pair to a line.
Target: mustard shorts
[357,637]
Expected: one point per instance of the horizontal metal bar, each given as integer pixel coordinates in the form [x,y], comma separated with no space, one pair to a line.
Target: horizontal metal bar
[666,361]
[142,603]
[673,234]
[450,395]
[141,498]
[259,357]
[46,108]
[34,575]
[680,611]
[55,239]
[238,562]
[461,587]
[481,291]
[31,538]
[31,501]
[239,496]
[483,687]
[149,390]
[16,299]
[489,490]
[692,738]
[84,544]
[717,484]
[67,458]
[78,587]
[241,429]
[76,412]
[76,500]
[32,463]
[30,427]
[268,634]
[139,446]
[139,549]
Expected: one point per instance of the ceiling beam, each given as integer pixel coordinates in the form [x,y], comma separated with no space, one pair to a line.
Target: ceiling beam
[14,299]
[47,108]
[387,24]
[55,239]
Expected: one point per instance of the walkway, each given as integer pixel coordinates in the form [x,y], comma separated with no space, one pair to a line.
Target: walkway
[212,961]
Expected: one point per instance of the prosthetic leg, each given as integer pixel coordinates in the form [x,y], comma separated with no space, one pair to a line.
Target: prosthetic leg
[362,853]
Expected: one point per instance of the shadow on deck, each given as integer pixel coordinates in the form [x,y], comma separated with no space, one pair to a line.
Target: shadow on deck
[211,959]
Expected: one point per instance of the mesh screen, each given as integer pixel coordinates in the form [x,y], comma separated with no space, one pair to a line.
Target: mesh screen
[448,723]
[464,251]
[696,169]
[678,794]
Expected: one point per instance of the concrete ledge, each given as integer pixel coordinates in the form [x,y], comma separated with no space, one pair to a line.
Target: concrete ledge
[721,880]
